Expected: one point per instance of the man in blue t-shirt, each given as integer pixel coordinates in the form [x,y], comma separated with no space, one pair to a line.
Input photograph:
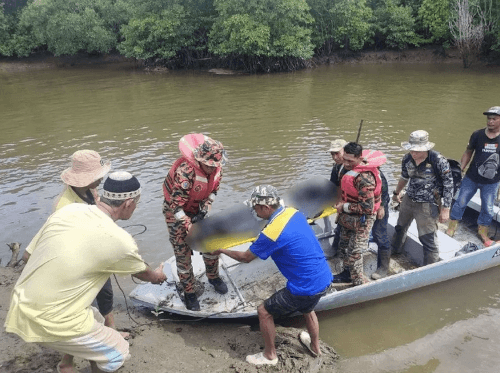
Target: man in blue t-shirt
[483,174]
[291,243]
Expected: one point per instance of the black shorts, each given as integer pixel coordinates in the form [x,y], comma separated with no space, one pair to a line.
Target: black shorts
[283,302]
[105,298]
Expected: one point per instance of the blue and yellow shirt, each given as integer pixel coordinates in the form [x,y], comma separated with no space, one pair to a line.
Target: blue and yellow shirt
[291,243]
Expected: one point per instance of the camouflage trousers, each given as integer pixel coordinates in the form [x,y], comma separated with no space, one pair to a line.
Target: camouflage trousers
[177,236]
[354,237]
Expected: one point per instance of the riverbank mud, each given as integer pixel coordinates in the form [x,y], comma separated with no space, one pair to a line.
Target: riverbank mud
[114,61]
[161,344]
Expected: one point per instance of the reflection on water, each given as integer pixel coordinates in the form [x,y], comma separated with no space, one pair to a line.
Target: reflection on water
[276,129]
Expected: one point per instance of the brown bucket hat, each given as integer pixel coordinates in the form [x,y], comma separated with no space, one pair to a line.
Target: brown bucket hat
[86,167]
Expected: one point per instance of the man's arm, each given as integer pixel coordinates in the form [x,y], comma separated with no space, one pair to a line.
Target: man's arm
[240,256]
[365,185]
[401,185]
[155,277]
[466,157]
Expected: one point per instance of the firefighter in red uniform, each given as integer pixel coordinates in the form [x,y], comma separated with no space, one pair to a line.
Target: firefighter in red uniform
[361,198]
[189,190]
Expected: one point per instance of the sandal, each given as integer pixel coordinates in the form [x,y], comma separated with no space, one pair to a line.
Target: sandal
[305,339]
[260,359]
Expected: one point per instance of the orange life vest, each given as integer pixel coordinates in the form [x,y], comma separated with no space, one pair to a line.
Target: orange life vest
[203,184]
[373,159]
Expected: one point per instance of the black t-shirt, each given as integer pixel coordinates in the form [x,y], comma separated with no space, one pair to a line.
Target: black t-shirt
[335,177]
[484,168]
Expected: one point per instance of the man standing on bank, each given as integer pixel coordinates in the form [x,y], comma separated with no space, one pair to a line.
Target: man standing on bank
[290,241]
[189,190]
[483,174]
[75,252]
[428,197]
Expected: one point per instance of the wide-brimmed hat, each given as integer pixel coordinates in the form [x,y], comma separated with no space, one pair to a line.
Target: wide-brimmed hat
[121,185]
[495,110]
[86,167]
[210,153]
[336,145]
[418,142]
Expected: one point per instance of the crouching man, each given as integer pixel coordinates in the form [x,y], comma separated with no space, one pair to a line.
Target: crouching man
[76,251]
[290,242]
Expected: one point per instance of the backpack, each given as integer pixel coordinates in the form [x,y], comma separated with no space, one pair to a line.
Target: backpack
[456,170]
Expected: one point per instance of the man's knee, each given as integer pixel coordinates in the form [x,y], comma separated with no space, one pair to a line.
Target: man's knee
[262,312]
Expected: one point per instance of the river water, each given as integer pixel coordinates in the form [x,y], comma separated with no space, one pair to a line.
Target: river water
[276,129]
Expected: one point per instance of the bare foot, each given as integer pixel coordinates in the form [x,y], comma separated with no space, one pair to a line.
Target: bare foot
[66,365]
[125,335]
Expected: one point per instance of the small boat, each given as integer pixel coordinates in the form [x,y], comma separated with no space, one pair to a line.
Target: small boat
[250,283]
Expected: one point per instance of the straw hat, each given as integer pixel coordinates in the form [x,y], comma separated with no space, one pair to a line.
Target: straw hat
[86,167]
[418,142]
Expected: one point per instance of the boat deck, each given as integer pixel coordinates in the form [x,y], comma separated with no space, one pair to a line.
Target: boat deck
[250,283]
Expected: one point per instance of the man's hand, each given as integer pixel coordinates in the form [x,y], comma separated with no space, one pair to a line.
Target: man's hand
[444,214]
[161,277]
[380,213]
[217,252]
[339,207]
[198,217]
[396,197]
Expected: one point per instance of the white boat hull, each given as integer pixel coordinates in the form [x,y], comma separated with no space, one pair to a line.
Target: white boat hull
[249,284]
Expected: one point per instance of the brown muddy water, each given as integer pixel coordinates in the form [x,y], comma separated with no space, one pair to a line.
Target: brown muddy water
[276,129]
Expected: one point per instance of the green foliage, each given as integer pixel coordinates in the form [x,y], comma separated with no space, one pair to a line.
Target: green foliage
[341,24]
[395,25]
[161,28]
[4,33]
[69,26]
[491,12]
[435,16]
[351,27]
[270,28]
[157,35]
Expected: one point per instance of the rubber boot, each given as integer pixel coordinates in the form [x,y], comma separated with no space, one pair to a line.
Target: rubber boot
[191,301]
[431,250]
[343,277]
[452,228]
[482,231]
[381,272]
[398,240]
[430,257]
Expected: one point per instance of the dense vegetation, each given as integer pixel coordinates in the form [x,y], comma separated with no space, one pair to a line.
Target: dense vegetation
[255,35]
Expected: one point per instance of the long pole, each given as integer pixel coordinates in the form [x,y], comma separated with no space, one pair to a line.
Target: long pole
[359,130]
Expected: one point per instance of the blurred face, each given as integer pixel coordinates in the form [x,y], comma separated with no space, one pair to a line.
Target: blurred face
[418,156]
[493,122]
[95,184]
[207,169]
[263,211]
[338,157]
[351,161]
